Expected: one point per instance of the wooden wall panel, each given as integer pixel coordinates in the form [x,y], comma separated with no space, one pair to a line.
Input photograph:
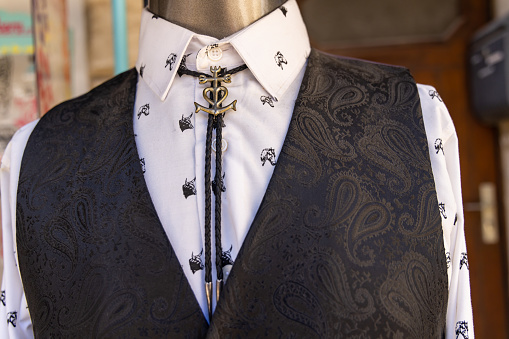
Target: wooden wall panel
[100,37]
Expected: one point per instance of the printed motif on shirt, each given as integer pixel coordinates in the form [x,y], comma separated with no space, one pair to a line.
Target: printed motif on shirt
[195,263]
[267,100]
[221,185]
[439,146]
[171,60]
[189,188]
[12,317]
[226,257]
[464,260]
[268,154]
[142,69]
[434,94]
[455,219]
[215,124]
[183,65]
[284,10]
[145,110]
[280,59]
[2,298]
[185,122]
[448,259]
[462,330]
[441,206]
[142,163]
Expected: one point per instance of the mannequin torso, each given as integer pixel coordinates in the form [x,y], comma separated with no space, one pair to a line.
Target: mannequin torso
[217,18]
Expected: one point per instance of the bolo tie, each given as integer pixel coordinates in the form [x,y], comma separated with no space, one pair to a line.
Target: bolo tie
[215,95]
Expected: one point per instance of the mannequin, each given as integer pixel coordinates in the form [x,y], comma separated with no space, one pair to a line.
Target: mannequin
[347,240]
[217,18]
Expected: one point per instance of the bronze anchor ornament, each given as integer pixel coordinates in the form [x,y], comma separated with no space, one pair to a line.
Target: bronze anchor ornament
[219,93]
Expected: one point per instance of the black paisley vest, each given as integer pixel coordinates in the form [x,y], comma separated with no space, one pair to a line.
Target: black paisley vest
[347,241]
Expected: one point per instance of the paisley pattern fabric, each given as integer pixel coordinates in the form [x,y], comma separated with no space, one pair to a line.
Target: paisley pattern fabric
[347,241]
[94,259]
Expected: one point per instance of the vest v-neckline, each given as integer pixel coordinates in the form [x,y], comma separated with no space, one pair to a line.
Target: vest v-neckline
[254,224]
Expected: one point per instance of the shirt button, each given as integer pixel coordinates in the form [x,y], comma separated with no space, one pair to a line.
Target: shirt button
[215,54]
[224,145]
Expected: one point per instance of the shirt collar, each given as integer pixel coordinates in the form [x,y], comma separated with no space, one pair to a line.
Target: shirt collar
[275,48]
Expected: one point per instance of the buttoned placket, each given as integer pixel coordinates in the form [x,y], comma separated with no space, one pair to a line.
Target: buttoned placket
[257,127]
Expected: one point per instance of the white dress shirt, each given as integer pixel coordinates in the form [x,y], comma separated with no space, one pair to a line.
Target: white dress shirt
[170,139]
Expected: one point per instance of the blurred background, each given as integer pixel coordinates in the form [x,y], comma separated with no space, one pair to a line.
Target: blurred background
[52,50]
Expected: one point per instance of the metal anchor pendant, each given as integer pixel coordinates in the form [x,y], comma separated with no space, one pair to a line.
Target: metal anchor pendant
[219,93]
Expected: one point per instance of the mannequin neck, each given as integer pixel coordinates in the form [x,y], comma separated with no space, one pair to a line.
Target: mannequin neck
[216,18]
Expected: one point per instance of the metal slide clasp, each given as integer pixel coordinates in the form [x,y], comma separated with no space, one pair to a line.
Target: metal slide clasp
[219,93]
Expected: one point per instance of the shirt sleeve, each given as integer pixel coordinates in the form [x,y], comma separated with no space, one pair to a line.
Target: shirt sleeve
[443,149]
[14,316]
